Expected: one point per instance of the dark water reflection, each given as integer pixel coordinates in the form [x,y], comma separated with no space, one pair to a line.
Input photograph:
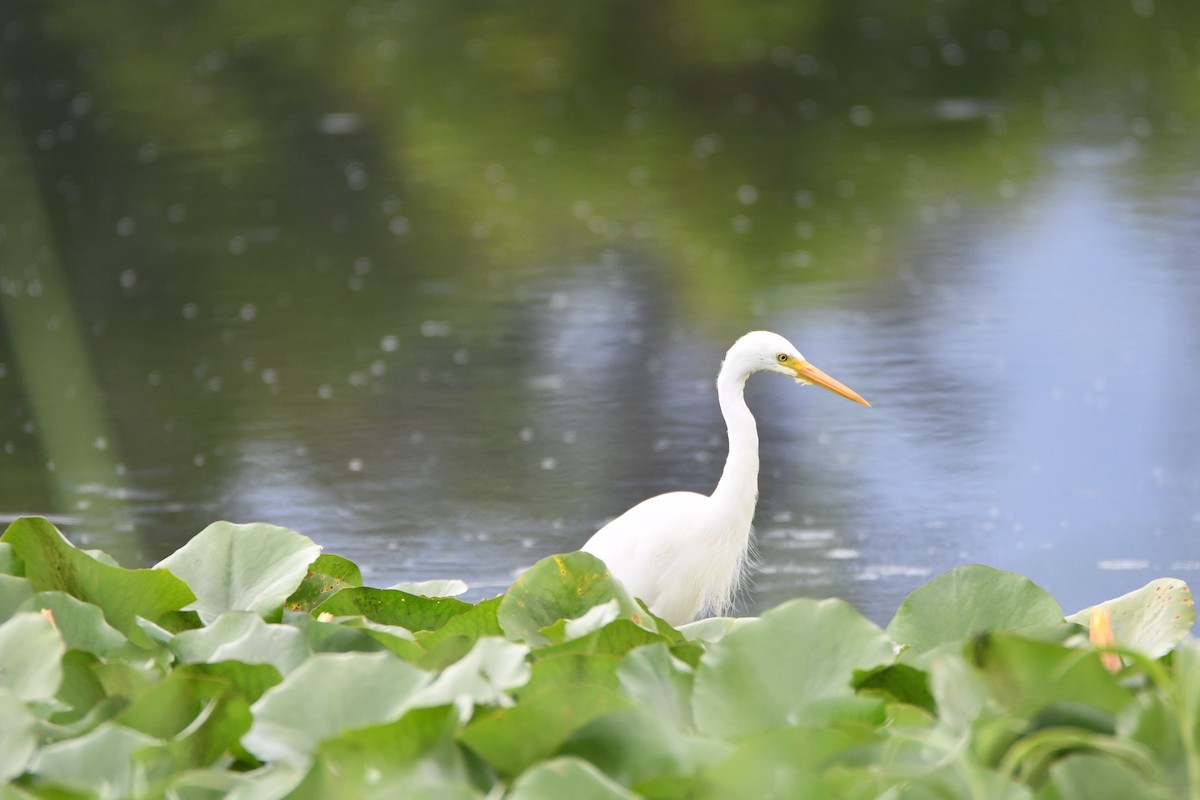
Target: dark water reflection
[446,290]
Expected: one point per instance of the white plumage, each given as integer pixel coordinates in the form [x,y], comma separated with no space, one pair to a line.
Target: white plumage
[682,552]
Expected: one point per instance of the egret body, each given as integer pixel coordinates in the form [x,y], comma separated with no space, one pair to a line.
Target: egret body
[683,552]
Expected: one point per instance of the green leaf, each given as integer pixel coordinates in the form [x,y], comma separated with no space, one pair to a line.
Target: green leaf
[100,762]
[616,638]
[392,607]
[13,592]
[435,588]
[658,683]
[970,600]
[567,777]
[52,564]
[81,624]
[18,735]
[1092,777]
[636,745]
[274,780]
[196,711]
[513,739]
[171,705]
[414,758]
[785,762]
[1152,619]
[10,564]
[247,680]
[31,652]
[243,636]
[475,623]
[904,683]
[327,576]
[242,567]
[764,674]
[342,636]
[81,690]
[563,587]
[712,629]
[328,694]
[481,677]
[1026,675]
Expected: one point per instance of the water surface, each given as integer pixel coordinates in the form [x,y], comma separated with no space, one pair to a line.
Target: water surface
[447,289]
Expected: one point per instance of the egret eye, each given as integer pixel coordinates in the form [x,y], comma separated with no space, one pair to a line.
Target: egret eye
[783,358]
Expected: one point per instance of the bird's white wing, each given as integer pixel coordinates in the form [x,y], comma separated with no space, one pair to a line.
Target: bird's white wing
[643,547]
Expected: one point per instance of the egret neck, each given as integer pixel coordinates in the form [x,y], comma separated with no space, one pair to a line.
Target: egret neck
[737,491]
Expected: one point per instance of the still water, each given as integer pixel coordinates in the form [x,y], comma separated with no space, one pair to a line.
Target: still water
[447,289]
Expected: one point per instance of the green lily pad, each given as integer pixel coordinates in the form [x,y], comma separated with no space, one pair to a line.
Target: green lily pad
[31,652]
[1091,777]
[414,757]
[474,623]
[513,739]
[52,564]
[100,763]
[970,600]
[435,588]
[327,576]
[484,676]
[1026,675]
[637,745]
[658,682]
[392,607]
[18,735]
[330,693]
[1152,619]
[233,567]
[81,624]
[563,587]
[10,564]
[766,673]
[567,777]
[14,592]
[243,636]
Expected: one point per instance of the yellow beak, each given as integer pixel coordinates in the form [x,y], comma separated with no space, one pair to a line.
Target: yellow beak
[807,373]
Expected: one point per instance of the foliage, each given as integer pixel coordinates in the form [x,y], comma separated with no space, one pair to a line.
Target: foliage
[247,665]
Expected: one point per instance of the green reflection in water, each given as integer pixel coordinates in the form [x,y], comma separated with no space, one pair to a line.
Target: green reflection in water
[240,164]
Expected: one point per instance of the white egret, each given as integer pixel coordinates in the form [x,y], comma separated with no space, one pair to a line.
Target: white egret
[682,552]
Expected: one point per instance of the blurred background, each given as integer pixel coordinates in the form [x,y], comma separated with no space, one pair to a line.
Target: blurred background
[445,286]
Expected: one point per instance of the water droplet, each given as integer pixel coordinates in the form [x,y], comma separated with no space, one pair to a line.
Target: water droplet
[339,124]
[128,279]
[248,312]
[355,465]
[389,344]
[126,226]
[861,116]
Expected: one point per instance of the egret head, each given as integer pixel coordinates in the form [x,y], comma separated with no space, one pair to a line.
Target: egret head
[769,352]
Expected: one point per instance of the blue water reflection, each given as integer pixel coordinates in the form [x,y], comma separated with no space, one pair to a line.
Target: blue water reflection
[447,306]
